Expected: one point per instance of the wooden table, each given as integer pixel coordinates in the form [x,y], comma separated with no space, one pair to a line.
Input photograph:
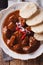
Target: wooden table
[37,61]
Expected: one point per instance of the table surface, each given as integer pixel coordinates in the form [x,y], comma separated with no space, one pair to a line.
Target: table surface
[37,61]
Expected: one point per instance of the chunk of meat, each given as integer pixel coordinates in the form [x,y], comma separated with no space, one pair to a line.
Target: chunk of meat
[22,20]
[25,41]
[20,34]
[11,26]
[17,47]
[26,49]
[11,41]
[32,41]
[4,33]
[7,32]
[16,33]
[5,29]
[14,18]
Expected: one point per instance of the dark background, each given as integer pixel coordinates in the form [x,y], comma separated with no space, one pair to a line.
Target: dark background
[3,4]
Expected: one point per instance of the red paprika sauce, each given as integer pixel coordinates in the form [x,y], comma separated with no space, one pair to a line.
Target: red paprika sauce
[17,35]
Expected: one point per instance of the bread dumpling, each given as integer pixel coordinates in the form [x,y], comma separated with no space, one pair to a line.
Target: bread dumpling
[36,20]
[38,28]
[28,10]
[39,36]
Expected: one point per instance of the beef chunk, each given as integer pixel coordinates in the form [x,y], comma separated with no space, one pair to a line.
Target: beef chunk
[22,20]
[11,26]
[10,42]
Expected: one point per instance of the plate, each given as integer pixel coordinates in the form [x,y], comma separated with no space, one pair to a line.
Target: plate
[15,55]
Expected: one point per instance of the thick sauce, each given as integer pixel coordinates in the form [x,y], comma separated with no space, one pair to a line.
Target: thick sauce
[17,35]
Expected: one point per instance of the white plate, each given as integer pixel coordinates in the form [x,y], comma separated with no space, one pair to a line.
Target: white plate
[15,55]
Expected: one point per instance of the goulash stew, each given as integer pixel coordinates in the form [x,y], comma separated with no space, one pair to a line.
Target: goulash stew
[17,35]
